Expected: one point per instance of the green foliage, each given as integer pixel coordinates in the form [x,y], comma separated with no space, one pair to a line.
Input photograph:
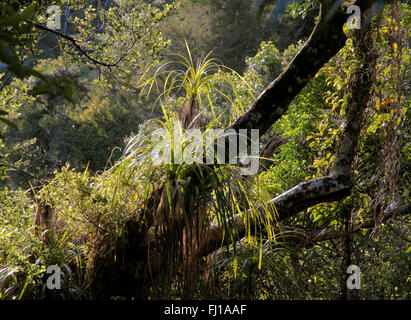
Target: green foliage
[53,132]
[270,278]
[232,29]
[207,81]
[70,152]
[313,124]
[17,35]
[130,40]
[87,205]
[18,244]
[124,38]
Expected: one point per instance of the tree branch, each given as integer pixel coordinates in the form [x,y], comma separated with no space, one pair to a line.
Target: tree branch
[325,41]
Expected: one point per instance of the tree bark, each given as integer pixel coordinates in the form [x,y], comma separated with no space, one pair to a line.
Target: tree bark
[267,110]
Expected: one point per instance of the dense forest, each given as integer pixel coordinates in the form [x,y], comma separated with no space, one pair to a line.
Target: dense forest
[111,187]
